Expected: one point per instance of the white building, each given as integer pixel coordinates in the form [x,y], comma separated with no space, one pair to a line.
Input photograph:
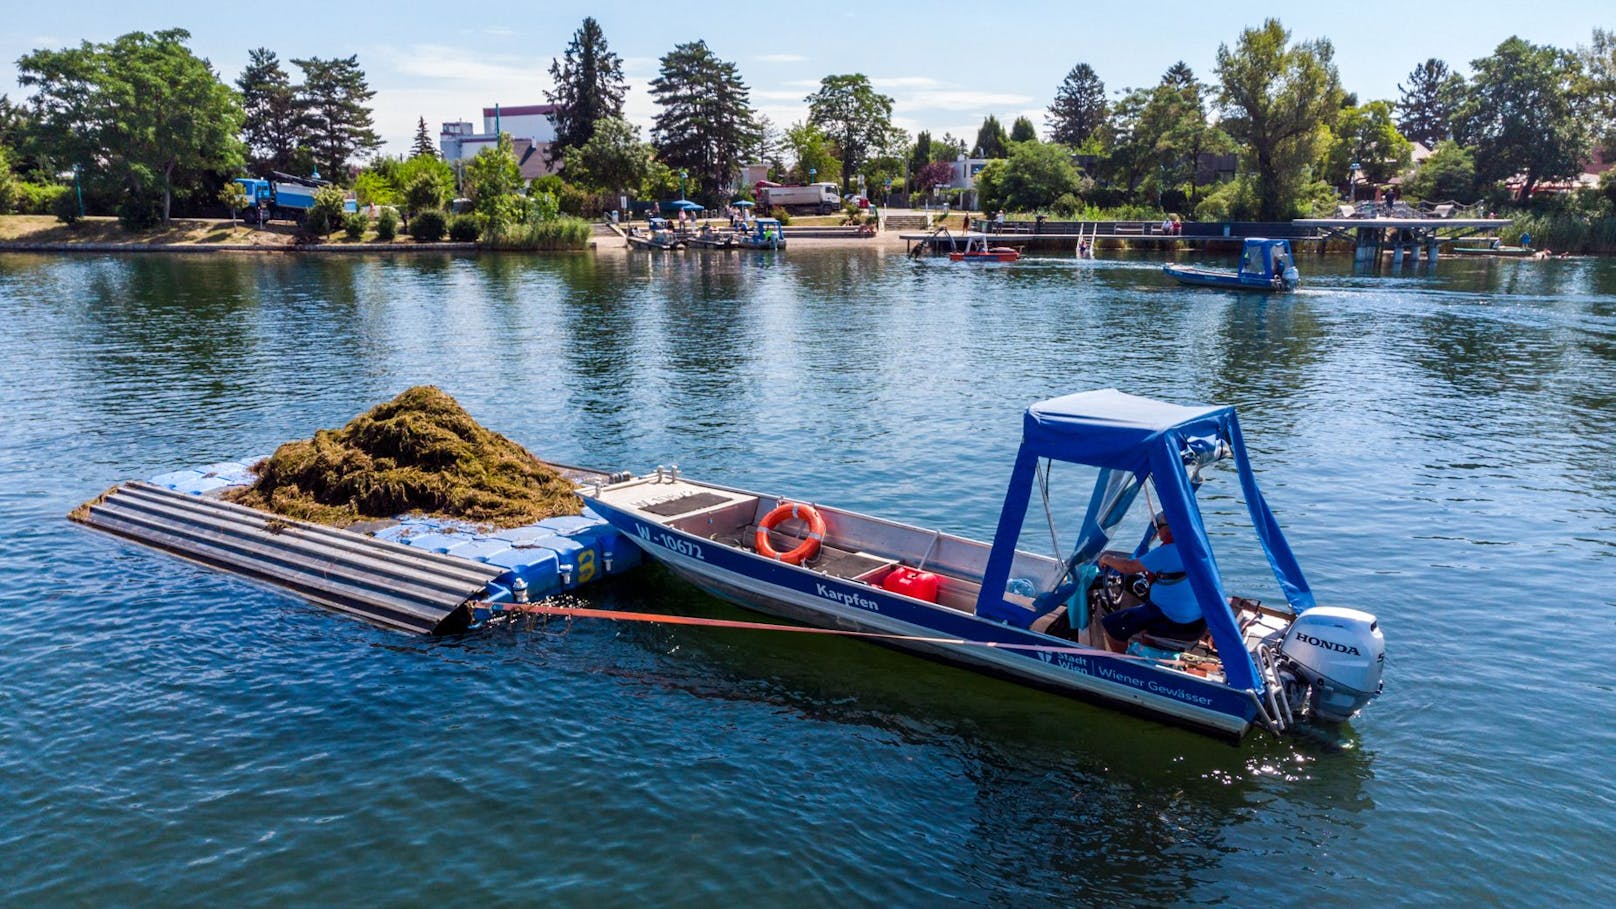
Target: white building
[529,126]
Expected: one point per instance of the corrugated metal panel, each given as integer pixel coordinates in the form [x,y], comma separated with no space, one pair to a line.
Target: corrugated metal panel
[387,583]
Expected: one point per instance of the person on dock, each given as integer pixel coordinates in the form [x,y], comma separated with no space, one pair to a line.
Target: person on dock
[1170,608]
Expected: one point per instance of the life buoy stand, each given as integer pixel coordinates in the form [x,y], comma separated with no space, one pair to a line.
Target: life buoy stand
[805,550]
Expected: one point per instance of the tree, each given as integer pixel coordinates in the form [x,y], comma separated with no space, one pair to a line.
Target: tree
[706,123]
[1425,110]
[334,97]
[920,153]
[234,198]
[589,88]
[1035,175]
[1599,63]
[1367,137]
[1448,175]
[856,117]
[933,175]
[990,139]
[492,179]
[273,129]
[1079,108]
[141,109]
[1133,146]
[613,159]
[811,151]
[423,147]
[1279,102]
[1525,115]
[1023,131]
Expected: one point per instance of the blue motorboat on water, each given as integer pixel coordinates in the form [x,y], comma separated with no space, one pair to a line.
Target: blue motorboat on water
[1264,265]
[762,233]
[1024,607]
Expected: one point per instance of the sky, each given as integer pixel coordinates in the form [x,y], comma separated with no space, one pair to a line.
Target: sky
[945,65]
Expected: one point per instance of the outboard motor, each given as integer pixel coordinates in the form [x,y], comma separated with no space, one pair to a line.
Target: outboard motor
[1339,653]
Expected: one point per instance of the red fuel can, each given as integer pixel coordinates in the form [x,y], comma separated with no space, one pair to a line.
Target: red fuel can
[922,585]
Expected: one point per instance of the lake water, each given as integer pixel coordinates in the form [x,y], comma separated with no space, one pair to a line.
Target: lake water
[1439,447]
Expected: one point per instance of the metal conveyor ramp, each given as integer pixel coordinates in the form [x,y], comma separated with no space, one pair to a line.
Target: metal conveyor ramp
[390,584]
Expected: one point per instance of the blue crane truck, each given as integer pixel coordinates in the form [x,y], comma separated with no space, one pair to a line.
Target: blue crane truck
[284,197]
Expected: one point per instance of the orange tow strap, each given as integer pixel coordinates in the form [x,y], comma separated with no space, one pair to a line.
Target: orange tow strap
[661,619]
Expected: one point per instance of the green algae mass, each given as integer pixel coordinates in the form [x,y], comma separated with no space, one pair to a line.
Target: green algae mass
[421,453]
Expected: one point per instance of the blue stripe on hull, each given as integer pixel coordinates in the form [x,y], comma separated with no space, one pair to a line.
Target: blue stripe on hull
[814,599]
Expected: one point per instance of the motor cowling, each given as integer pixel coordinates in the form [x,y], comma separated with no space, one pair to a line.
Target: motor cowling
[1340,653]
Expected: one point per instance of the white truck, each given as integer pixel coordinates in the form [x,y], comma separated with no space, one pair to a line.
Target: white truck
[822,198]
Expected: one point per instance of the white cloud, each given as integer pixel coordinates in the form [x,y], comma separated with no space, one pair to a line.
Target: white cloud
[781,58]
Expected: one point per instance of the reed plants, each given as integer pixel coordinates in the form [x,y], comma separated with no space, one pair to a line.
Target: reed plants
[563,233]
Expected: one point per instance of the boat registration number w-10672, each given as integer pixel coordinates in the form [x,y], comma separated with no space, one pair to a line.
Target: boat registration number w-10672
[670,542]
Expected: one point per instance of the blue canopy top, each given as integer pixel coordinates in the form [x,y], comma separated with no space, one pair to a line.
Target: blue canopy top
[1152,440]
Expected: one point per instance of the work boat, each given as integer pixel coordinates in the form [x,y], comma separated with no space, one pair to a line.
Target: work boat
[1036,618]
[1264,265]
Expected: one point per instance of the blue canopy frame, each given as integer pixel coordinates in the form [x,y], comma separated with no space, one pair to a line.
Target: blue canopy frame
[1145,439]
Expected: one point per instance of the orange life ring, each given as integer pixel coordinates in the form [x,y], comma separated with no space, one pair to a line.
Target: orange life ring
[805,550]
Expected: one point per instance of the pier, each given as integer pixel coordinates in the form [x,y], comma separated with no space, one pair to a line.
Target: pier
[1402,235]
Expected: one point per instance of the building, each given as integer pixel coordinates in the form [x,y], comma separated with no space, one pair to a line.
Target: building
[530,127]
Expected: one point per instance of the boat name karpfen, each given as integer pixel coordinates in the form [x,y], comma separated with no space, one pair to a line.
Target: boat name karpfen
[847,597]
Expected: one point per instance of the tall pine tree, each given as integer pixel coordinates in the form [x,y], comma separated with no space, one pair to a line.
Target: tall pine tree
[589,87]
[335,97]
[423,147]
[1426,107]
[274,127]
[1079,108]
[706,123]
[990,139]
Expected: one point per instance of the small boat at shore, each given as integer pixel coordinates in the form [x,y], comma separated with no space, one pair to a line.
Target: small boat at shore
[1264,265]
[762,233]
[1045,620]
[707,238]
[976,249]
[656,238]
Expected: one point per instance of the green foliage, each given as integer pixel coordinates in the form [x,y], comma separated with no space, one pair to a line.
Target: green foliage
[920,152]
[1235,200]
[1448,175]
[354,225]
[779,213]
[421,183]
[990,190]
[39,198]
[1366,136]
[273,126]
[1279,102]
[1023,131]
[1079,110]
[334,98]
[233,196]
[140,210]
[65,206]
[423,146]
[811,150]
[991,141]
[143,109]
[375,187]
[329,202]
[387,224]
[706,123]
[1524,114]
[857,118]
[428,226]
[1033,177]
[611,160]
[464,229]
[543,206]
[493,180]
[562,233]
[589,91]
[1425,110]
[8,183]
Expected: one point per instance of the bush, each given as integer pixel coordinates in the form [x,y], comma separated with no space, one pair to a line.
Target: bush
[562,233]
[429,226]
[38,198]
[353,226]
[387,224]
[780,212]
[327,213]
[65,206]
[138,211]
[464,229]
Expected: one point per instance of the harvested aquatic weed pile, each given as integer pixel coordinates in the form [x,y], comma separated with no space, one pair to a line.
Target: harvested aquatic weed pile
[419,452]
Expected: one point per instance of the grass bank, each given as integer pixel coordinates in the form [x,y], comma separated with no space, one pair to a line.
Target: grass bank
[1564,232]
